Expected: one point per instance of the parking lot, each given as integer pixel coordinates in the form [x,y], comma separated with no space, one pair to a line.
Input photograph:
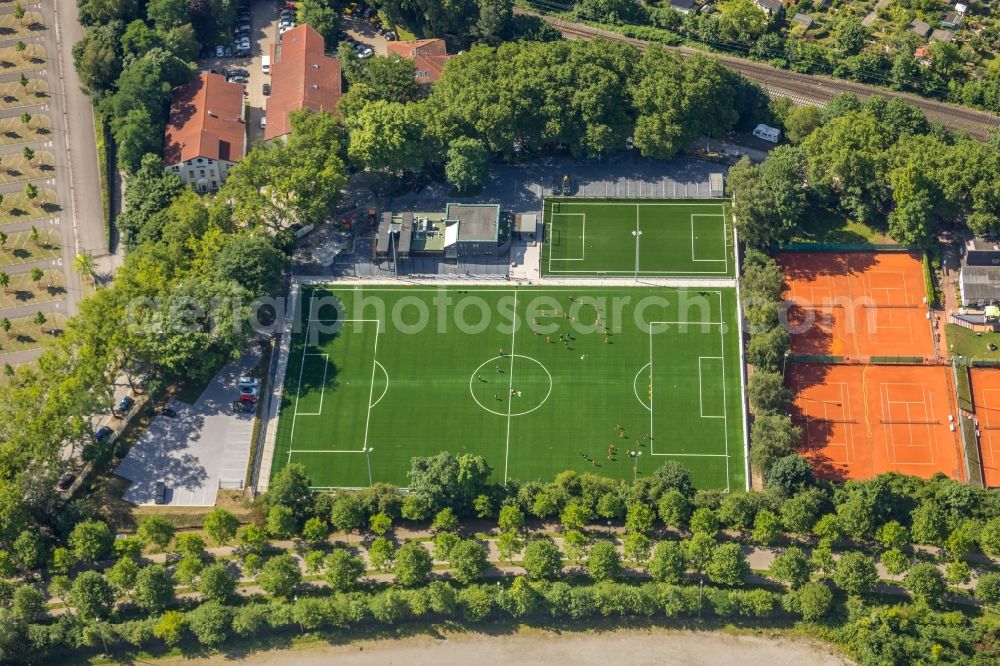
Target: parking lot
[205,444]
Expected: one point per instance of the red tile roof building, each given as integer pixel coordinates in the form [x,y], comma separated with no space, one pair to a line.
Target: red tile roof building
[302,77]
[428,56]
[206,132]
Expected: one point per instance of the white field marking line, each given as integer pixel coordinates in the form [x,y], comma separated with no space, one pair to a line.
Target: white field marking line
[994,450]
[298,389]
[510,385]
[724,246]
[724,403]
[637,233]
[886,401]
[386,389]
[725,239]
[322,386]
[583,238]
[371,391]
[701,402]
[635,389]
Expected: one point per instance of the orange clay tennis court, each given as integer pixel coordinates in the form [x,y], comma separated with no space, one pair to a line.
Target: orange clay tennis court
[861,420]
[856,304]
[986,400]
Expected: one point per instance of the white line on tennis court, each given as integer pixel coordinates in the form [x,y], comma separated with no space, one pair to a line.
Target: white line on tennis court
[510,385]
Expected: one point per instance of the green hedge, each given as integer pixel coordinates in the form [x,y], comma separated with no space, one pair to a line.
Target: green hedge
[930,283]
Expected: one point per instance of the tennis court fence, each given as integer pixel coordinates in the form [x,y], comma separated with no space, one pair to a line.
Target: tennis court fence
[897,360]
[842,247]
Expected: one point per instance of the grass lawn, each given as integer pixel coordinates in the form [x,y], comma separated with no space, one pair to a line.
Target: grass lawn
[970,344]
[675,238]
[12,130]
[826,226]
[23,290]
[14,168]
[26,334]
[16,207]
[29,26]
[20,248]
[13,95]
[12,60]
[384,374]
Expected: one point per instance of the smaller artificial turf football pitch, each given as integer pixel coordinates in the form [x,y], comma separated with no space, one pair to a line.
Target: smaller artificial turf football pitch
[651,238]
[537,380]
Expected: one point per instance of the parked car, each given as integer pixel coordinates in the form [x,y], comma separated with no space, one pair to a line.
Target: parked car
[391,36]
[220,51]
[168,412]
[229,52]
[285,28]
[160,493]
[65,481]
[102,434]
[263,122]
[364,51]
[349,9]
[266,89]
[238,79]
[124,404]
[236,71]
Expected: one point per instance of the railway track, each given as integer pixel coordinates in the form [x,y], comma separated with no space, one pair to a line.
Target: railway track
[802,88]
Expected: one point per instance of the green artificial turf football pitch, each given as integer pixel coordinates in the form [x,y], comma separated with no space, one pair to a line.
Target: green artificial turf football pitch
[668,238]
[377,375]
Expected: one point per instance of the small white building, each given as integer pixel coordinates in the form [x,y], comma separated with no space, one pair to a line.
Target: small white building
[206,133]
[768,133]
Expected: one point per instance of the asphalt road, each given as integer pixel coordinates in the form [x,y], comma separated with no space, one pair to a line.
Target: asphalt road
[803,88]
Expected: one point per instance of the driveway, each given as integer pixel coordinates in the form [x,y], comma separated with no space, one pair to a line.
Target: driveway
[204,445]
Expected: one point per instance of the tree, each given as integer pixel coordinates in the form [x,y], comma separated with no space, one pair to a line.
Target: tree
[542,559]
[958,573]
[893,535]
[210,622]
[728,566]
[290,487]
[668,562]
[772,437]
[511,518]
[792,566]
[251,539]
[25,118]
[343,569]
[18,11]
[170,627]
[635,547]
[495,19]
[575,515]
[445,520]
[4,281]
[674,509]
[91,596]
[604,562]
[221,525]
[30,191]
[216,583]
[741,21]
[380,523]
[385,137]
[767,392]
[509,545]
[281,576]
[90,540]
[322,17]
[380,554]
[251,261]
[347,513]
[30,548]
[28,153]
[467,164]
[928,524]
[989,537]
[28,604]
[766,527]
[33,235]
[988,589]
[315,531]
[40,319]
[610,506]
[281,522]
[790,474]
[705,521]
[925,583]
[814,601]
[801,122]
[895,561]
[767,349]
[154,588]
[639,519]
[83,264]
[413,564]
[467,561]
[855,573]
[770,197]
[122,576]
[155,531]
[850,36]
[443,543]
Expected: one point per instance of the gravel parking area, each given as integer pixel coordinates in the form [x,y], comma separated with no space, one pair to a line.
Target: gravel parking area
[191,453]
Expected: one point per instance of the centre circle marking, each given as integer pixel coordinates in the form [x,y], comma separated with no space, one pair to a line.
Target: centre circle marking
[476,373]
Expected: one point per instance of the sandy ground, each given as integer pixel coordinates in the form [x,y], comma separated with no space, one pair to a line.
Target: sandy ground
[531,646]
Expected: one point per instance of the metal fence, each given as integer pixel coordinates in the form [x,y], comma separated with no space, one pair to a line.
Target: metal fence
[897,360]
[844,247]
[815,358]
